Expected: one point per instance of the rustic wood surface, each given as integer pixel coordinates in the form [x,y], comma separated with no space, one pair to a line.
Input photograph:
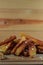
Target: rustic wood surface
[8,22]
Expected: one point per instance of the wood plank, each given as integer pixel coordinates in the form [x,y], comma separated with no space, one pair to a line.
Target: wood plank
[10,22]
[19,21]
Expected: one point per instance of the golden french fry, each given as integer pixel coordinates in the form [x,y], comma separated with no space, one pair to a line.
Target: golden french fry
[18,44]
[36,41]
[21,47]
[4,47]
[32,51]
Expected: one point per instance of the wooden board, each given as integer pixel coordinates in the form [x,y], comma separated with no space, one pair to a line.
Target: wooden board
[8,22]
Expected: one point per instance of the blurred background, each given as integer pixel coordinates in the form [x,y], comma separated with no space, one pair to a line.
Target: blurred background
[22,9]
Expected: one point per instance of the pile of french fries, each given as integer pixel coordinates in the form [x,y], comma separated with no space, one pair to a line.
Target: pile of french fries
[24,46]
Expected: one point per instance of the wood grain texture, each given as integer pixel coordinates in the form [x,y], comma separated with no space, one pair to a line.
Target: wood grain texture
[10,22]
[19,21]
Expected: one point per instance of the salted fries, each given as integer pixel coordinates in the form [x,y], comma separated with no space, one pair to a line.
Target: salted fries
[24,46]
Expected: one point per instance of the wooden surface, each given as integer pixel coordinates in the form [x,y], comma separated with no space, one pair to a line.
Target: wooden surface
[10,22]
[9,27]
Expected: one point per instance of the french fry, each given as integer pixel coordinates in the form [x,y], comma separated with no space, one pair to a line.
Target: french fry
[10,47]
[18,44]
[40,47]
[21,47]
[8,40]
[4,47]
[36,41]
[32,51]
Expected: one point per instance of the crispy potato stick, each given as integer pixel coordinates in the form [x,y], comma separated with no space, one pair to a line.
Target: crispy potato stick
[7,46]
[11,46]
[8,40]
[37,42]
[18,44]
[21,47]
[32,51]
[4,47]
[40,47]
